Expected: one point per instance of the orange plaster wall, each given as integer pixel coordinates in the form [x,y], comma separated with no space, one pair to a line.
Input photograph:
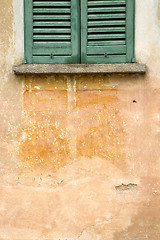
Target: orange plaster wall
[79,155]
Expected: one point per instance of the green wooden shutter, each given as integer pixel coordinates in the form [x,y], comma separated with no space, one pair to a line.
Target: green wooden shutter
[107,31]
[52,31]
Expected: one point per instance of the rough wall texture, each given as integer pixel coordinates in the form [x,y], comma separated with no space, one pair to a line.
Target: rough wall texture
[79,156]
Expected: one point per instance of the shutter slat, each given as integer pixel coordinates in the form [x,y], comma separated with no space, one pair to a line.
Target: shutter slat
[52,24]
[109,43]
[106,9]
[106,23]
[51,4]
[51,37]
[106,3]
[106,16]
[106,36]
[51,17]
[51,30]
[109,59]
[47,51]
[105,29]
[51,45]
[51,10]
[56,59]
[121,49]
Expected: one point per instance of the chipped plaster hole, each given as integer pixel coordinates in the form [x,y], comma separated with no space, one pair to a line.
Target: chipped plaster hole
[126,188]
[134,101]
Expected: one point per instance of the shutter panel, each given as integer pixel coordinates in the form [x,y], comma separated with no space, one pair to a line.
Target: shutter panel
[107,31]
[54,29]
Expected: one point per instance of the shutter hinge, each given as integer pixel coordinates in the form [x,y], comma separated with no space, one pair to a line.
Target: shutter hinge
[24,61]
[133,60]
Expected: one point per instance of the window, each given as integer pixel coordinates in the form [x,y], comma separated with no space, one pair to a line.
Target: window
[79,31]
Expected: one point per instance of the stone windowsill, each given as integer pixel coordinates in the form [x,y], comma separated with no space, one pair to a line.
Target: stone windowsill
[123,68]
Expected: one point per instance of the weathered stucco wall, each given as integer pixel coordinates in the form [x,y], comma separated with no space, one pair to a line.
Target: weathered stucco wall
[79,156]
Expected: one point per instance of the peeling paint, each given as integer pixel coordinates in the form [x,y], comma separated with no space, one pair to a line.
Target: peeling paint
[126,188]
[70,145]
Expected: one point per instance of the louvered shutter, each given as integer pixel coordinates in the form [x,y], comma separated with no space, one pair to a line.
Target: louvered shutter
[107,31]
[52,31]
